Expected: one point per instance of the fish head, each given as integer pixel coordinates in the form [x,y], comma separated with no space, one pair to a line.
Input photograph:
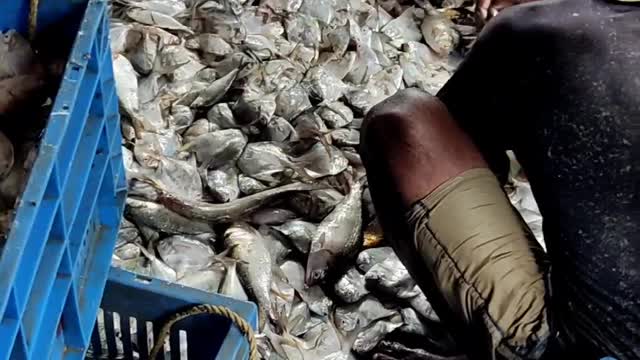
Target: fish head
[318,266]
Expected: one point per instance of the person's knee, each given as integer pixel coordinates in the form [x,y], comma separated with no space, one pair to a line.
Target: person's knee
[399,118]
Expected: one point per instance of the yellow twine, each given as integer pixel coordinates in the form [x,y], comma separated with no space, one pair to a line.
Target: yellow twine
[33,18]
[241,323]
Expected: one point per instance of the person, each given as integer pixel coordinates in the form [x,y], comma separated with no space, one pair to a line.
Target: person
[558,83]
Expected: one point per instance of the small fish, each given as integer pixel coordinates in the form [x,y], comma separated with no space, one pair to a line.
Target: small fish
[345,137]
[206,280]
[393,278]
[336,115]
[322,160]
[181,116]
[272,216]
[282,6]
[371,336]
[159,269]
[318,302]
[254,269]
[220,213]
[215,91]
[217,148]
[231,285]
[153,18]
[250,186]
[277,244]
[295,273]
[255,107]
[221,115]
[338,235]
[350,317]
[159,217]
[126,82]
[303,29]
[185,255]
[403,28]
[223,184]
[370,257]
[142,54]
[351,286]
[280,130]
[16,55]
[292,102]
[299,232]
[440,34]
[199,127]
[316,204]
[412,324]
[127,251]
[214,44]
[300,319]
[323,84]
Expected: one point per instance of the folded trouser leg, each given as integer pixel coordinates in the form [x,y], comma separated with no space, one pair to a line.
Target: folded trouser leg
[484,262]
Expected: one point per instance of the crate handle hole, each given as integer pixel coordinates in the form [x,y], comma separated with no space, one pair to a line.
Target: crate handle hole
[65,107]
[75,68]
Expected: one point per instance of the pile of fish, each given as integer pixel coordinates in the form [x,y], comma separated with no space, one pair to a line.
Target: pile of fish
[241,125]
[27,87]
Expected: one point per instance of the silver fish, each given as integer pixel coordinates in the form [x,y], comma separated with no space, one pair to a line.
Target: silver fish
[265,161]
[217,148]
[148,17]
[255,106]
[338,235]
[247,245]
[303,29]
[336,115]
[143,53]
[158,217]
[16,55]
[392,277]
[345,137]
[128,233]
[295,273]
[272,216]
[214,44]
[181,116]
[440,34]
[199,127]
[184,255]
[215,91]
[370,257]
[380,86]
[127,251]
[341,66]
[292,102]
[401,351]
[159,269]
[220,213]
[309,125]
[412,324]
[322,160]
[351,317]
[205,280]
[317,204]
[221,115]
[300,319]
[277,245]
[127,89]
[351,286]
[231,284]
[323,84]
[249,185]
[370,337]
[318,302]
[279,130]
[282,6]
[223,184]
[403,28]
[299,232]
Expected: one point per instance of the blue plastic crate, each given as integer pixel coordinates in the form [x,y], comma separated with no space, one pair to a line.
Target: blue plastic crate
[55,262]
[151,302]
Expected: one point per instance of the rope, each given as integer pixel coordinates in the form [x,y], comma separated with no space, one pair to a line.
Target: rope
[241,323]
[33,18]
